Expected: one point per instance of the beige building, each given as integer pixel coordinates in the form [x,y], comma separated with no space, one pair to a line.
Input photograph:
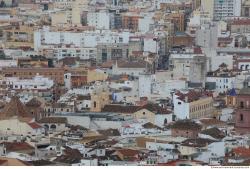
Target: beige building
[201,108]
[96,76]
[207,9]
[145,114]
[193,105]
[99,100]
[71,13]
[66,17]
[19,37]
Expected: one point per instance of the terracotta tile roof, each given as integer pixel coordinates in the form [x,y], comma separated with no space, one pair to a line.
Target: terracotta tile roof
[67,159]
[3,161]
[197,50]
[107,64]
[128,152]
[34,102]
[186,124]
[132,64]
[199,142]
[211,121]
[14,108]
[72,152]
[155,108]
[17,146]
[109,132]
[70,156]
[193,95]
[214,132]
[120,108]
[181,163]
[83,97]
[225,39]
[150,126]
[69,60]
[53,120]
[34,125]
[241,152]
[41,163]
[78,127]
[241,22]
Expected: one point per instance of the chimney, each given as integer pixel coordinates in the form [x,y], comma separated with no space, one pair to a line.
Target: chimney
[186,99]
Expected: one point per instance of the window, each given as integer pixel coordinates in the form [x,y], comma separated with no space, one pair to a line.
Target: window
[241,104]
[241,117]
[94,104]
[143,113]
[179,102]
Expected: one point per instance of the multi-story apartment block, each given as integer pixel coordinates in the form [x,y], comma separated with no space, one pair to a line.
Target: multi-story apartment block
[245,8]
[223,78]
[221,9]
[107,52]
[101,20]
[60,52]
[36,83]
[78,39]
[19,37]
[64,4]
[56,74]
[130,21]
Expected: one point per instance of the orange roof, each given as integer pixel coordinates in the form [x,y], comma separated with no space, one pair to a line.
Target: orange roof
[129,152]
[178,162]
[241,151]
[3,161]
[17,146]
[34,125]
[241,22]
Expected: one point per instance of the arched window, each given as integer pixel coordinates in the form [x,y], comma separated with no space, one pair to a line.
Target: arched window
[241,67]
[46,126]
[246,67]
[165,122]
[53,126]
[94,104]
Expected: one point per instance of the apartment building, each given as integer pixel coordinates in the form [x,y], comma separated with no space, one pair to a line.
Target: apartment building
[193,104]
[56,74]
[130,21]
[63,51]
[19,37]
[111,51]
[78,39]
[101,20]
[221,9]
